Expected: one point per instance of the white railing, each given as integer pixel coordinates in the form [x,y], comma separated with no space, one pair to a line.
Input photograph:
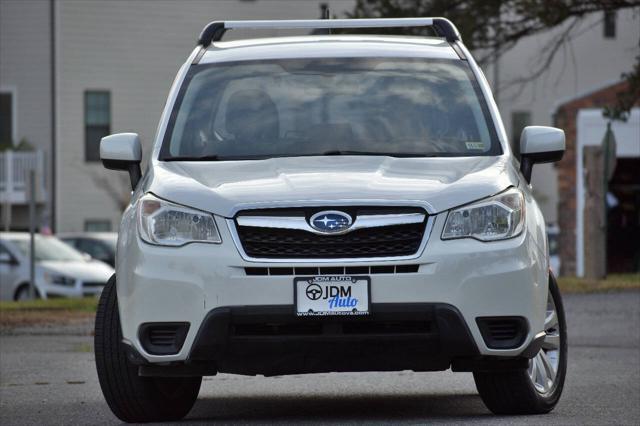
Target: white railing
[14,176]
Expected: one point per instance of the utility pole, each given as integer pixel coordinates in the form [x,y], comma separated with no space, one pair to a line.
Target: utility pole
[32,230]
[594,215]
[496,60]
[8,188]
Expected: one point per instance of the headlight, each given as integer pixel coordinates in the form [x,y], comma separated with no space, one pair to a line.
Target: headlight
[496,218]
[59,279]
[167,224]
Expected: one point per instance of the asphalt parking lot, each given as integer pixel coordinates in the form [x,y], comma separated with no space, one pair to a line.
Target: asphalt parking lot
[47,376]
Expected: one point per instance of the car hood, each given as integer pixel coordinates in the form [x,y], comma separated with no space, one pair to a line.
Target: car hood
[93,270]
[226,187]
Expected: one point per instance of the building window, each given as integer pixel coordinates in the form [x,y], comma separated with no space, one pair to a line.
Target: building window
[519,120]
[6,119]
[97,122]
[610,24]
[97,225]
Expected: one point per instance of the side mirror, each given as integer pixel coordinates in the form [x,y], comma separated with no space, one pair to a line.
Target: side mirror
[122,151]
[540,144]
[6,258]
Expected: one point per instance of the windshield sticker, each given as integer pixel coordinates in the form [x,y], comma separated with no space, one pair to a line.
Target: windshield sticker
[475,145]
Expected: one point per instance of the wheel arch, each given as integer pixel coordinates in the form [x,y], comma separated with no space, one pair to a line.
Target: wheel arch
[22,285]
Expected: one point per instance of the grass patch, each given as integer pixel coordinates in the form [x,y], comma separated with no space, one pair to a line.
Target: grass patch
[85,304]
[57,311]
[83,347]
[611,283]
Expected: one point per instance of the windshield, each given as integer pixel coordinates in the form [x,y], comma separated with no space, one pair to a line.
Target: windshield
[329,106]
[49,248]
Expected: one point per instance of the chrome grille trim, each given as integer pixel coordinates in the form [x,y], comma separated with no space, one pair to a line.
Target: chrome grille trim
[231,224]
[300,223]
[279,271]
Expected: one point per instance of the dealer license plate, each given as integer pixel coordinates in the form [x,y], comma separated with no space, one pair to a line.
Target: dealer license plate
[332,295]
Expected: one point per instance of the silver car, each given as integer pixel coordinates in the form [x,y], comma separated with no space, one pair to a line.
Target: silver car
[99,245]
[60,270]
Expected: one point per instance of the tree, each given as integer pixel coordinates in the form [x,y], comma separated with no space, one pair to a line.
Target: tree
[115,185]
[492,27]
[626,100]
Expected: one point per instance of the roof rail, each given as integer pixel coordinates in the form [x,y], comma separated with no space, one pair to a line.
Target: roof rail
[442,27]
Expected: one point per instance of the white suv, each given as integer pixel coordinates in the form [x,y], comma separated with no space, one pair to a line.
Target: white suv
[330,203]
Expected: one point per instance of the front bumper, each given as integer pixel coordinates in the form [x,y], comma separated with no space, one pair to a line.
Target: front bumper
[271,340]
[194,283]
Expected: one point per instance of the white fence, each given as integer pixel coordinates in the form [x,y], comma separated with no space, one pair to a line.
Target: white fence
[14,176]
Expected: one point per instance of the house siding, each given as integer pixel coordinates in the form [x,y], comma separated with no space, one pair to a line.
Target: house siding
[25,71]
[133,49]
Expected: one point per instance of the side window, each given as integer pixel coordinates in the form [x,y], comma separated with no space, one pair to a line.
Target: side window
[6,120]
[83,245]
[97,122]
[94,248]
[4,251]
[609,24]
[519,120]
[553,244]
[72,242]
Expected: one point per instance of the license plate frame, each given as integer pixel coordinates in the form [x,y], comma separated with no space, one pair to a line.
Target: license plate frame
[304,306]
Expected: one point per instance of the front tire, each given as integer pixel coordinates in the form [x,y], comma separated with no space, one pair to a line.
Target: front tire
[537,389]
[23,293]
[133,398]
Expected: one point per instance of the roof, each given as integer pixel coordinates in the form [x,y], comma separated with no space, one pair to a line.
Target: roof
[328,46]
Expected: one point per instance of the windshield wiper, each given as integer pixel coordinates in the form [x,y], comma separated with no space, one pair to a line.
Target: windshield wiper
[388,154]
[192,158]
[327,153]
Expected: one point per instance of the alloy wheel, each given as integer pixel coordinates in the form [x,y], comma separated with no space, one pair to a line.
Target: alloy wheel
[543,368]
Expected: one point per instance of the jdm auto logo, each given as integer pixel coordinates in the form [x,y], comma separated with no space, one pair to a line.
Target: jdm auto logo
[314,292]
[331,221]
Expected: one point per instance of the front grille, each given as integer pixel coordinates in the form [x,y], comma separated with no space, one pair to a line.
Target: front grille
[334,270]
[384,241]
[277,329]
[502,332]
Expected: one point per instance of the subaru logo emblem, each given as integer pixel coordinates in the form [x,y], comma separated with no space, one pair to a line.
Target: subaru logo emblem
[329,222]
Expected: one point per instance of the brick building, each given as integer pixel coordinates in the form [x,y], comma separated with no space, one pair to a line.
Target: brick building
[583,123]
